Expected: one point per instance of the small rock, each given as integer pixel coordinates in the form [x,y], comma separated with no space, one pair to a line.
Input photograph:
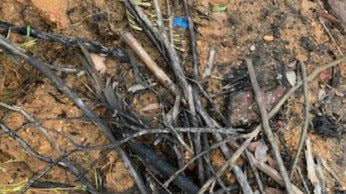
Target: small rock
[252,48]
[242,107]
[268,38]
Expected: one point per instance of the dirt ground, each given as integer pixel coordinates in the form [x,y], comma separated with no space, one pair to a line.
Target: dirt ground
[277,35]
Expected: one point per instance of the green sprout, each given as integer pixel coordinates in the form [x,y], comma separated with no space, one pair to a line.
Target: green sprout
[28,43]
[219,9]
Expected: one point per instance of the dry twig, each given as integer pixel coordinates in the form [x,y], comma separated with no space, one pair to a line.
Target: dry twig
[63,162]
[272,173]
[149,62]
[306,120]
[266,126]
[69,41]
[141,150]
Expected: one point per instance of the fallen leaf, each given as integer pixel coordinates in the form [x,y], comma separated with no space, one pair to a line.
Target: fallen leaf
[324,75]
[271,162]
[261,152]
[310,164]
[99,63]
[138,87]
[151,107]
[291,77]
[252,146]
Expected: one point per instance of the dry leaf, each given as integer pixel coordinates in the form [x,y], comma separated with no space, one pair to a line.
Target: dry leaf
[261,152]
[139,87]
[136,87]
[271,162]
[151,107]
[252,146]
[99,63]
[324,75]
[291,77]
[310,163]
[321,94]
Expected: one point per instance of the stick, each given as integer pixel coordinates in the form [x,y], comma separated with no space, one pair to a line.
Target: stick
[230,163]
[272,174]
[266,127]
[167,51]
[192,41]
[277,107]
[64,162]
[69,41]
[149,62]
[255,172]
[306,119]
[4,43]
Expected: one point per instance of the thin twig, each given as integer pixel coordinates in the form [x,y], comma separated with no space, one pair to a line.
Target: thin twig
[327,30]
[277,107]
[330,171]
[255,172]
[147,27]
[149,62]
[43,68]
[211,123]
[304,181]
[192,41]
[33,120]
[322,68]
[306,119]
[213,106]
[207,72]
[65,163]
[159,17]
[197,138]
[37,177]
[180,139]
[4,43]
[210,171]
[131,168]
[89,66]
[311,168]
[266,127]
[196,97]
[199,155]
[320,175]
[168,52]
[164,167]
[230,163]
[69,41]
[272,173]
[224,149]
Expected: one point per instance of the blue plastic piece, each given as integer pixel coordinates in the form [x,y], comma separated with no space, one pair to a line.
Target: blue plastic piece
[181,21]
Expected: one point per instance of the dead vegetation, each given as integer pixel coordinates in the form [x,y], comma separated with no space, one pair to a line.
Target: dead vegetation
[220,103]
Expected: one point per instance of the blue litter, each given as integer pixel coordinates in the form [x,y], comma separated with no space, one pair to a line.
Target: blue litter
[181,21]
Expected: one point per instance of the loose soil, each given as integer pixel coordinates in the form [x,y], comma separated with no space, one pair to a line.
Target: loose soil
[276,35]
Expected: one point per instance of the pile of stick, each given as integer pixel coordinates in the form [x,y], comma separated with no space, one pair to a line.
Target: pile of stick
[187,93]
